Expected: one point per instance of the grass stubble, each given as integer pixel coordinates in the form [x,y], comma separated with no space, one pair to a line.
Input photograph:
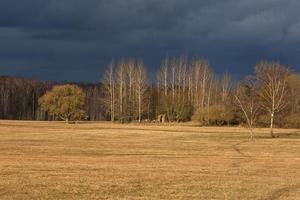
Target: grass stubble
[53,160]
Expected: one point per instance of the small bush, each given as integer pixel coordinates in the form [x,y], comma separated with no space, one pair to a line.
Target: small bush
[214,115]
[292,121]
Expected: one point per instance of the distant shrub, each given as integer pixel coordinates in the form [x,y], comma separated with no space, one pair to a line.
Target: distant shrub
[292,121]
[214,115]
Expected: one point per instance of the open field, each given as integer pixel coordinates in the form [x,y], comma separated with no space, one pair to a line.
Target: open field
[52,160]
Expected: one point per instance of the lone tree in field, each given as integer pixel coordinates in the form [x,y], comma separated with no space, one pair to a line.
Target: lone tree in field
[65,102]
[272,79]
[246,100]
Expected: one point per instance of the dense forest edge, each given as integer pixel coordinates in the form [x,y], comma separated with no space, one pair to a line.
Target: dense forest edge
[184,90]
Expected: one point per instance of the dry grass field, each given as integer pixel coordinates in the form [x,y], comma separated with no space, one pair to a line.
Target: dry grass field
[53,160]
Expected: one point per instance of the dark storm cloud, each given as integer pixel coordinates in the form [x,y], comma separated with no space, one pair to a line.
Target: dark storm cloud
[76,39]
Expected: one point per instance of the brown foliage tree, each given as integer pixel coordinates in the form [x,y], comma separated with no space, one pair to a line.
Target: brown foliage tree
[65,102]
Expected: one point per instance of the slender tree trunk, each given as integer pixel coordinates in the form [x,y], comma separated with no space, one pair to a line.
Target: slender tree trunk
[271,125]
[209,94]
[165,77]
[112,111]
[272,115]
[251,132]
[140,104]
[33,106]
[248,118]
[121,97]
[203,88]
[173,84]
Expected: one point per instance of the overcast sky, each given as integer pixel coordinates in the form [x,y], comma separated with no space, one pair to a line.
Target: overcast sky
[76,39]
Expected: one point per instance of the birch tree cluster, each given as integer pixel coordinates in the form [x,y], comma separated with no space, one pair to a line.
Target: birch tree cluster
[188,89]
[126,97]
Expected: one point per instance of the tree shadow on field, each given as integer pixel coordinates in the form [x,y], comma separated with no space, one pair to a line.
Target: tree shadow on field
[283,135]
[282,192]
[239,151]
[295,134]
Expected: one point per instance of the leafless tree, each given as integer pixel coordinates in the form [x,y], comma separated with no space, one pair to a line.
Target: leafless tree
[164,75]
[109,85]
[226,87]
[141,86]
[272,79]
[246,99]
[121,86]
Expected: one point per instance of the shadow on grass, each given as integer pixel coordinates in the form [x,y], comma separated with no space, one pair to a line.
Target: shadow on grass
[288,135]
[281,192]
[295,134]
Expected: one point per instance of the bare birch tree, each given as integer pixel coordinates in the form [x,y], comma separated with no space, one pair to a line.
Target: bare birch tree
[121,81]
[272,79]
[246,99]
[226,87]
[109,86]
[141,86]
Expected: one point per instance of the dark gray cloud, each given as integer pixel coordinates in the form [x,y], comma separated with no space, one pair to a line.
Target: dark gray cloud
[76,39]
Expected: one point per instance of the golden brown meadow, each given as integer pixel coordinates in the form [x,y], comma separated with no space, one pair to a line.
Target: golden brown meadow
[53,160]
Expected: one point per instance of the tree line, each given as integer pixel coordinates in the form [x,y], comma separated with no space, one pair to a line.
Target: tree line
[184,89]
[188,89]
